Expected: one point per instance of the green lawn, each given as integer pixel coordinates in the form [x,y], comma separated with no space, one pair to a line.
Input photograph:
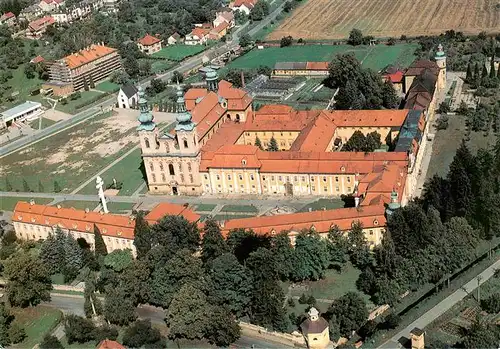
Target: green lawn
[37,322]
[240,208]
[7,203]
[107,86]
[128,171]
[45,123]
[318,205]
[71,106]
[179,52]
[120,207]
[204,207]
[79,205]
[161,66]
[52,159]
[374,57]
[22,87]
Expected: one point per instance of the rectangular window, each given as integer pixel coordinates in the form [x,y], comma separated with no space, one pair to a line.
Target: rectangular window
[191,178]
[272,178]
[182,178]
[218,177]
[154,177]
[371,232]
[336,179]
[228,177]
[348,179]
[241,177]
[303,179]
[206,177]
[253,186]
[295,179]
[312,179]
[313,188]
[324,178]
[325,189]
[337,188]
[349,189]
[280,178]
[251,177]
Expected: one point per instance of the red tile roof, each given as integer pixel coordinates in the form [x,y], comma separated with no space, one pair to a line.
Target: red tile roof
[237,99]
[109,344]
[41,23]
[396,77]
[321,221]
[86,56]
[200,32]
[221,27]
[248,3]
[317,65]
[165,208]
[7,16]
[417,67]
[192,95]
[207,113]
[37,59]
[149,40]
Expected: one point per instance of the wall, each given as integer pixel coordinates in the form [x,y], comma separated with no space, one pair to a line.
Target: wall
[282,338]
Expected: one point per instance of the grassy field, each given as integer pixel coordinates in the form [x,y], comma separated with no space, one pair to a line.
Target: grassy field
[69,157]
[45,123]
[374,57]
[37,322]
[179,52]
[240,208]
[204,207]
[7,203]
[318,205]
[71,106]
[21,87]
[128,171]
[79,205]
[120,207]
[107,86]
[447,141]
[161,66]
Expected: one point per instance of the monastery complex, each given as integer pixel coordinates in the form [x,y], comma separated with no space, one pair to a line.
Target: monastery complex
[211,151]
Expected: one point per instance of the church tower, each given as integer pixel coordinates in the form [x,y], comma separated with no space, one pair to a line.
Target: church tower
[212,80]
[393,205]
[440,59]
[147,127]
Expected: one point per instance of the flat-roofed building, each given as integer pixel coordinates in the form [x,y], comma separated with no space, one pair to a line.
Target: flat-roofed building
[82,69]
[301,69]
[26,111]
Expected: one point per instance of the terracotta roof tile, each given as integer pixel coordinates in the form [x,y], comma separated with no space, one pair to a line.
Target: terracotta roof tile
[109,344]
[164,208]
[192,95]
[149,40]
[41,23]
[221,27]
[317,65]
[200,32]
[85,56]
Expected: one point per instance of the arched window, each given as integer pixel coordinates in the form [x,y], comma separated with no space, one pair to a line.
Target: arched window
[163,179]
[146,142]
[189,167]
[167,147]
[161,166]
[237,117]
[151,166]
[185,143]
[171,169]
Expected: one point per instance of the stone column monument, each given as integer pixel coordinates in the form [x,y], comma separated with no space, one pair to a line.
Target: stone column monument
[99,183]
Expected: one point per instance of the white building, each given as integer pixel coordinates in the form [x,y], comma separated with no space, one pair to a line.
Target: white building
[128,97]
[26,111]
[198,36]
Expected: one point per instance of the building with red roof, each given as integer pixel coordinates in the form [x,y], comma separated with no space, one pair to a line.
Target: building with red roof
[38,27]
[301,68]
[109,344]
[149,44]
[8,18]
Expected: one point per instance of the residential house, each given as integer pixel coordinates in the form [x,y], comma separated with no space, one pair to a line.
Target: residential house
[111,6]
[77,11]
[218,32]
[198,36]
[109,344]
[128,97]
[37,59]
[82,69]
[9,19]
[50,5]
[175,38]
[394,75]
[30,13]
[244,6]
[224,16]
[149,44]
[38,27]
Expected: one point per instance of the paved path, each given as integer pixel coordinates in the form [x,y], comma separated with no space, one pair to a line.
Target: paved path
[442,307]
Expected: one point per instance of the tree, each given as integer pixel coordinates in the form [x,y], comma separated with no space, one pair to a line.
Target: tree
[186,316]
[492,68]
[372,142]
[258,143]
[392,321]
[481,335]
[29,70]
[245,40]
[141,334]
[177,77]
[469,77]
[131,66]
[477,72]
[50,342]
[105,331]
[135,281]
[142,235]
[78,329]
[232,283]
[310,257]
[28,281]
[357,142]
[350,313]
[484,72]
[389,96]
[213,244]
[273,145]
[16,333]
[367,281]
[348,97]
[6,319]
[359,252]
[355,37]
[92,305]
[491,304]
[176,233]
[118,260]
[8,186]
[26,187]
[57,188]
[100,249]
[284,254]
[119,308]
[157,85]
[286,41]
[259,11]
[222,329]
[52,252]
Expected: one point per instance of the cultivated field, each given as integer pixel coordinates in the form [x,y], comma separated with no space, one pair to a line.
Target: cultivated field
[333,19]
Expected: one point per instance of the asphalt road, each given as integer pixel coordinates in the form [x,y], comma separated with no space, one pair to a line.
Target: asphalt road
[441,307]
[70,304]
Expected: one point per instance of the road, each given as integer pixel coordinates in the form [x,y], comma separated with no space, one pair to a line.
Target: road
[182,67]
[442,307]
[71,304]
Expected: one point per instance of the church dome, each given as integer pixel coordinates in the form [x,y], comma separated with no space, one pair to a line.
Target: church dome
[211,75]
[145,115]
[183,117]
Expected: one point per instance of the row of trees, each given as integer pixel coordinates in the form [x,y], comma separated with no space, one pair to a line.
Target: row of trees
[360,142]
[481,77]
[359,88]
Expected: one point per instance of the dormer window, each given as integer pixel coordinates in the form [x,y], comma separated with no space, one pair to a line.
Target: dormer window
[119,233]
[185,143]
[244,162]
[342,169]
[375,222]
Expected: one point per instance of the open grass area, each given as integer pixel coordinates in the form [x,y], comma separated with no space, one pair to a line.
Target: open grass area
[107,86]
[127,171]
[45,123]
[374,57]
[120,207]
[204,207]
[179,52]
[318,205]
[240,208]
[161,66]
[71,106]
[7,203]
[37,322]
[20,88]
[79,205]
[447,141]
[70,157]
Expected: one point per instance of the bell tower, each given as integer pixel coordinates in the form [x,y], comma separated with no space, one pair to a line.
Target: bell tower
[147,126]
[212,80]
[440,59]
